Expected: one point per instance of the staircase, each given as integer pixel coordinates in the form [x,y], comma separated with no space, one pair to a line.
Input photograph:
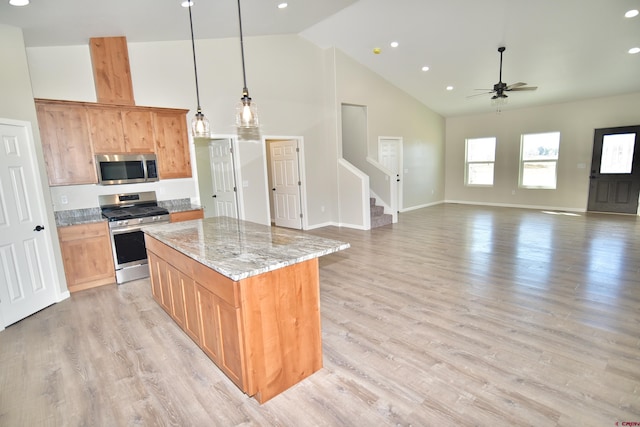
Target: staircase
[378,217]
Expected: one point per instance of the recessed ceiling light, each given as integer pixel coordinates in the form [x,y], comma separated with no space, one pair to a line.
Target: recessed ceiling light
[394,44]
[425,68]
[282,5]
[187,3]
[18,2]
[631,13]
[634,50]
[449,87]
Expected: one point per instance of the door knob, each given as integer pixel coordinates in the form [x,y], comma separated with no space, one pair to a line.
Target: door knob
[214,195]
[273,189]
[39,228]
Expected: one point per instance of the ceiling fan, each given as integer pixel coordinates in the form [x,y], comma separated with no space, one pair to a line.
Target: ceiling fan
[500,88]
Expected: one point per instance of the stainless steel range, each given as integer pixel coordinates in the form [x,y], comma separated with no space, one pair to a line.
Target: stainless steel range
[128,214]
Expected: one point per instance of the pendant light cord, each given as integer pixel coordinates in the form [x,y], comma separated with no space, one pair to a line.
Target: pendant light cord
[195,68]
[244,75]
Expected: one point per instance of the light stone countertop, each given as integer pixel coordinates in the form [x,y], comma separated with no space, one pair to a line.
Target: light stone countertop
[239,249]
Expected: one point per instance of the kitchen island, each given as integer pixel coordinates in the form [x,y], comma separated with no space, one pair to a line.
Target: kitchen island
[246,293]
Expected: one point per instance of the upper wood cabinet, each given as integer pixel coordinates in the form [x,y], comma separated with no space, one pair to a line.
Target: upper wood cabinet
[64,130]
[106,130]
[72,132]
[117,130]
[111,73]
[138,131]
[172,143]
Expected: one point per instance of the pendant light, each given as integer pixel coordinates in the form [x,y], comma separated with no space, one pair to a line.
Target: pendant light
[246,111]
[199,124]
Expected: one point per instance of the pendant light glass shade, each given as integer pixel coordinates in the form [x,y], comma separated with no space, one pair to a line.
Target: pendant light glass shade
[199,124]
[246,111]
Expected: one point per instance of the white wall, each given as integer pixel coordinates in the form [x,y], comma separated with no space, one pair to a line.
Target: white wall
[575,121]
[391,112]
[285,75]
[16,102]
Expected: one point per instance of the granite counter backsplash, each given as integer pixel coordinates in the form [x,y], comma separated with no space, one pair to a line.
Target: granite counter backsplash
[178,205]
[89,215]
[78,216]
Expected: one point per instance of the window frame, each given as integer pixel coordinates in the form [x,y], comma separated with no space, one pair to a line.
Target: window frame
[467,163]
[547,160]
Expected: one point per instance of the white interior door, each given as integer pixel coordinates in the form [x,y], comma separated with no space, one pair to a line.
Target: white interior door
[286,183]
[390,156]
[223,175]
[27,279]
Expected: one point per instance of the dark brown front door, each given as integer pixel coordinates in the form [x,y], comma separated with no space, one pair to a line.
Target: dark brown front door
[615,170]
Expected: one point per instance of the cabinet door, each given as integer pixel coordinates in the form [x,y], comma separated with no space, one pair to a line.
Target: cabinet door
[192,316]
[138,131]
[155,270]
[106,130]
[172,144]
[87,255]
[221,334]
[209,328]
[231,360]
[66,143]
[177,297]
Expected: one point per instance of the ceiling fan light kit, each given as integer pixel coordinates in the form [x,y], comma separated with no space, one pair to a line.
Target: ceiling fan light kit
[499,96]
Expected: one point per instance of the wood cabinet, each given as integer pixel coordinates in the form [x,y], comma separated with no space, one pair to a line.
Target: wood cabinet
[138,131]
[172,143]
[111,71]
[68,155]
[263,332]
[107,134]
[72,132]
[87,255]
[186,215]
[116,130]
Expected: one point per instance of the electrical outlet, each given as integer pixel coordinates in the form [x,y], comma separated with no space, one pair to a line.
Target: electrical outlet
[64,200]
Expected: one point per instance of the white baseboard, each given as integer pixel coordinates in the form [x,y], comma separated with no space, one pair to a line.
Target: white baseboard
[510,205]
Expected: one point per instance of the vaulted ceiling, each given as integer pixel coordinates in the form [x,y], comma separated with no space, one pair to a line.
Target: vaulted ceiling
[569,49]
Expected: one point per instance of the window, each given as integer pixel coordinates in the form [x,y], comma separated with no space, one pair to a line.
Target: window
[538,160]
[481,156]
[617,153]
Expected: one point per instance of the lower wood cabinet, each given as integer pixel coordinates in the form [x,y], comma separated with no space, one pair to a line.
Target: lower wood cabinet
[263,332]
[186,215]
[87,256]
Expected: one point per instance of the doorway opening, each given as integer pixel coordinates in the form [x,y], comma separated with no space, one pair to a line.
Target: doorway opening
[285,175]
[615,171]
[217,178]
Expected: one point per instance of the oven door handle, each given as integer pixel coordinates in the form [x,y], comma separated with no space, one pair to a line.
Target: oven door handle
[128,229]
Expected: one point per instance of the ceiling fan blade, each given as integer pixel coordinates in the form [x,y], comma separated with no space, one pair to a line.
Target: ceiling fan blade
[479,94]
[516,89]
[511,86]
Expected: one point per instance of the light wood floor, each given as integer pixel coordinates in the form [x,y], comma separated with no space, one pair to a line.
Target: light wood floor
[455,316]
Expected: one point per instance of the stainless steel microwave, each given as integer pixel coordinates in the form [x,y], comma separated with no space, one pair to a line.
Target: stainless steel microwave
[126,168]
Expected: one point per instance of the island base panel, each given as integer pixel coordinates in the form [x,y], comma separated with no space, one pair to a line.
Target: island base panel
[282,319]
